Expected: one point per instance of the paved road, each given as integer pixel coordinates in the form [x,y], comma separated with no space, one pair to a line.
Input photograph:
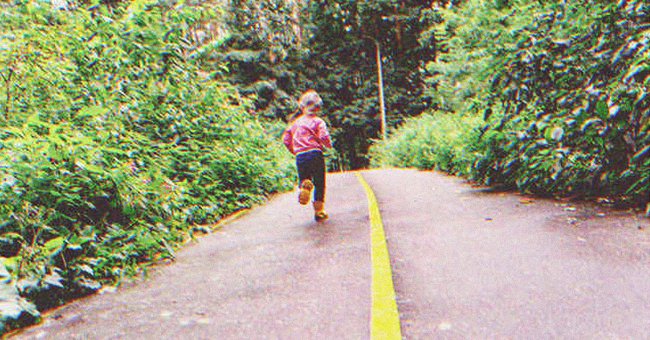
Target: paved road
[467,263]
[272,274]
[471,264]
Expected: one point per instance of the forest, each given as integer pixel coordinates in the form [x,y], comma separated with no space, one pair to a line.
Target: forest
[129,128]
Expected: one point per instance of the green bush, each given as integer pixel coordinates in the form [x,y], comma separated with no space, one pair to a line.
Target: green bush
[440,140]
[562,88]
[575,112]
[116,146]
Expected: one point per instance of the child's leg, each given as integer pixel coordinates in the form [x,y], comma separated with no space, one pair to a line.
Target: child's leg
[319,177]
[305,184]
[303,169]
[319,183]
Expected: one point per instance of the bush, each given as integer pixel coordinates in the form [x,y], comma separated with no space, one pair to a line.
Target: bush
[114,148]
[562,88]
[575,111]
[441,141]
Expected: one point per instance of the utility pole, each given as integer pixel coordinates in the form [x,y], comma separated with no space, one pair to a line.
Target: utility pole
[380,85]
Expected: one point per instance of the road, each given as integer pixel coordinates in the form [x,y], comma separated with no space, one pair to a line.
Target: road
[466,263]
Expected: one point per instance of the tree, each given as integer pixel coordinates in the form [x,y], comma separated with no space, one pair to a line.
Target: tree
[341,65]
[279,48]
[266,41]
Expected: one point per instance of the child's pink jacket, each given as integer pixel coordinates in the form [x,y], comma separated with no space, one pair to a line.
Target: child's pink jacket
[307,133]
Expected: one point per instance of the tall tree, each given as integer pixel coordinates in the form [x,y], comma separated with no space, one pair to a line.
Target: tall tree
[265,42]
[279,48]
[342,65]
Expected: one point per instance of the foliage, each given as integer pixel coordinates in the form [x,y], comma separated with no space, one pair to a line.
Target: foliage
[441,141]
[15,309]
[280,48]
[469,40]
[116,146]
[563,90]
[344,47]
[573,88]
[263,51]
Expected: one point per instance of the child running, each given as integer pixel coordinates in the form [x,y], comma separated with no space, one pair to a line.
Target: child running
[306,138]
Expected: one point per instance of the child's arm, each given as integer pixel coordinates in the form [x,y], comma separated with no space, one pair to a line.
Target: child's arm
[287,139]
[324,135]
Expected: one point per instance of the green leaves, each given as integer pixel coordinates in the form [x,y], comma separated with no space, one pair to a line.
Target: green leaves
[278,49]
[114,144]
[563,88]
[13,308]
[431,141]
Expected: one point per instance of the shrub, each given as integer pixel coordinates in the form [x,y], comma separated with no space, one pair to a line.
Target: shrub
[433,140]
[562,88]
[575,110]
[114,148]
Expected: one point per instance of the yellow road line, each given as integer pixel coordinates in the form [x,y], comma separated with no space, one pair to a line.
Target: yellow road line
[384,320]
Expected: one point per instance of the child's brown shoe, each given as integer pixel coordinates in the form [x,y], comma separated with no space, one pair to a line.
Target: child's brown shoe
[305,191]
[320,216]
[319,211]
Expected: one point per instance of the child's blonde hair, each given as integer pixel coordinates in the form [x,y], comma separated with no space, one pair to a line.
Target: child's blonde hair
[308,100]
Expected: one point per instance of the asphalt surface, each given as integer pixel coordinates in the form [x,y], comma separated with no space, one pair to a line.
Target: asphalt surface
[467,263]
[272,274]
[473,264]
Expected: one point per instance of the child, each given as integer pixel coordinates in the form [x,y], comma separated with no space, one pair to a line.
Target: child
[306,137]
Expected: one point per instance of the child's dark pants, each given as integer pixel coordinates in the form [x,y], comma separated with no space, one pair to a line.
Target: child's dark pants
[311,165]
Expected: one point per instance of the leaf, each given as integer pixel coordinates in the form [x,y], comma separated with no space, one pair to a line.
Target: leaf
[557,133]
[54,279]
[89,167]
[638,72]
[13,236]
[15,131]
[84,268]
[54,244]
[12,306]
[91,112]
[11,263]
[4,274]
[641,153]
[89,284]
[74,246]
[589,122]
[613,111]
